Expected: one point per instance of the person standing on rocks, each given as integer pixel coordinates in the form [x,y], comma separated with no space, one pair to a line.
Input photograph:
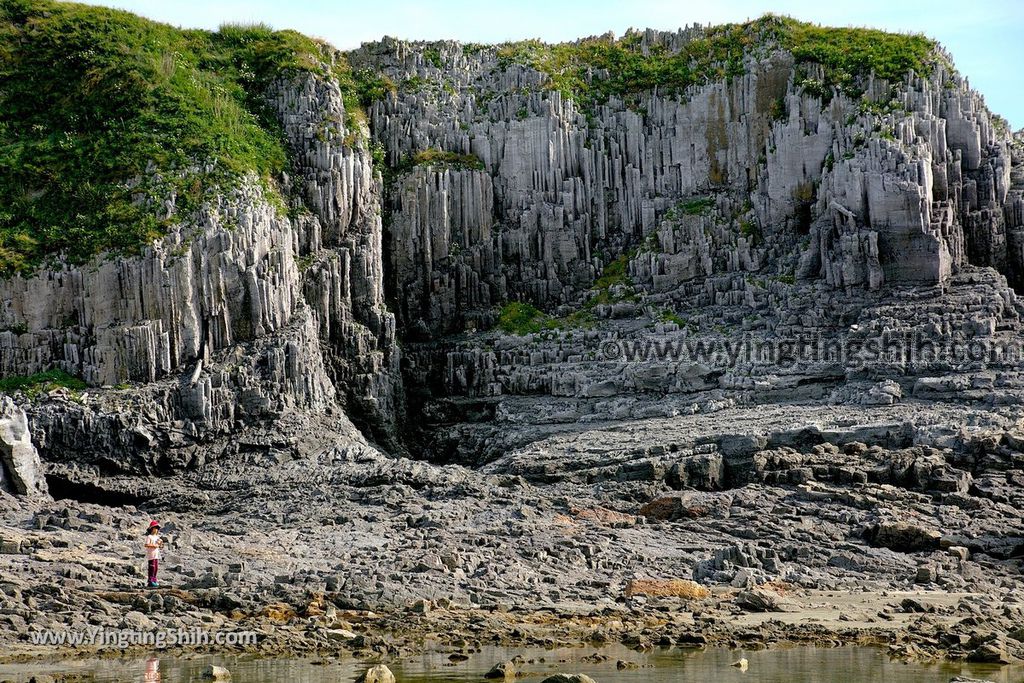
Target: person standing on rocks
[153,545]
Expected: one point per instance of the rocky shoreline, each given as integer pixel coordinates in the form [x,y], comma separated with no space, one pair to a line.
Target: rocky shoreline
[469,372]
[353,551]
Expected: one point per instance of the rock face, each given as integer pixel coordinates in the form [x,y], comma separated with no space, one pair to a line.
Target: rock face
[772,342]
[752,209]
[240,317]
[822,190]
[21,471]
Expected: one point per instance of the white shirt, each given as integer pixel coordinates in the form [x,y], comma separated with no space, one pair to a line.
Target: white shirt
[153,546]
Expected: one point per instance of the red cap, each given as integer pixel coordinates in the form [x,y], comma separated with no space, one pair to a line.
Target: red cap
[154,523]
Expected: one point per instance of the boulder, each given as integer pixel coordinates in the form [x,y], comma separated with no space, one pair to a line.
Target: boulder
[672,508]
[504,671]
[759,600]
[903,537]
[340,634]
[21,471]
[377,674]
[992,652]
[925,574]
[216,673]
[569,678]
[704,472]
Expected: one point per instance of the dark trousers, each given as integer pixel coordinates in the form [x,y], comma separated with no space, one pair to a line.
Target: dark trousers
[153,566]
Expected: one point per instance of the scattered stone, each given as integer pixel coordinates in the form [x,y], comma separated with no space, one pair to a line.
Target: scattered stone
[959,552]
[916,607]
[216,673]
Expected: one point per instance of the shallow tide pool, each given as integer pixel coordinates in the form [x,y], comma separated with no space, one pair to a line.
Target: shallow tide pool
[784,665]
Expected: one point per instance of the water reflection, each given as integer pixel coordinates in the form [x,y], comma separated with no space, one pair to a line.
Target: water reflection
[784,665]
[152,670]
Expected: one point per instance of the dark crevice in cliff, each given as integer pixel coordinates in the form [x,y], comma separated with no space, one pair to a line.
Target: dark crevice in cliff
[62,488]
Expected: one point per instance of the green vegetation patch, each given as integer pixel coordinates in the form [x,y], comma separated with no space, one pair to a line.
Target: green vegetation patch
[440,157]
[40,383]
[615,273]
[518,317]
[667,315]
[849,54]
[596,68]
[691,207]
[625,69]
[751,230]
[615,276]
[92,98]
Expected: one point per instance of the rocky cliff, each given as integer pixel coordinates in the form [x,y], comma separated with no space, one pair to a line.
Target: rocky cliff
[760,196]
[240,317]
[430,338]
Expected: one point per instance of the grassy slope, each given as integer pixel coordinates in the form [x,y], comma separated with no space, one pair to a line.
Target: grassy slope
[92,97]
[848,54]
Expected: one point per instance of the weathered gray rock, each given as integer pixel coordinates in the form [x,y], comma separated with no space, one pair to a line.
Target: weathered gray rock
[760,600]
[904,537]
[21,471]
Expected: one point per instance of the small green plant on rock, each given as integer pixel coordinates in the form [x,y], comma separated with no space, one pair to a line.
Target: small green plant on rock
[751,230]
[667,315]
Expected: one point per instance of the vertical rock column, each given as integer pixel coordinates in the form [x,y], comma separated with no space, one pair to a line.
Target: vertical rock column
[344,283]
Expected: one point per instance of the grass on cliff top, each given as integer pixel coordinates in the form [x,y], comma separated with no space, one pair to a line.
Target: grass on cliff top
[847,55]
[91,98]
